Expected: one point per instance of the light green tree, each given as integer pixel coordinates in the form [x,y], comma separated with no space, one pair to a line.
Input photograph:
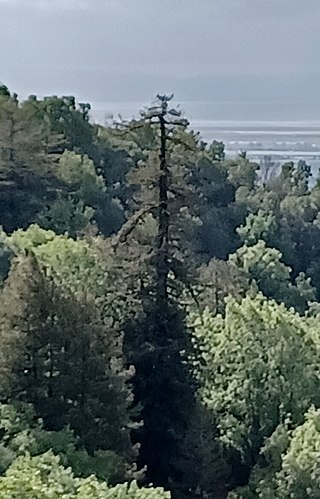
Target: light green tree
[270,275]
[79,172]
[43,477]
[254,366]
[290,463]
[257,226]
[22,432]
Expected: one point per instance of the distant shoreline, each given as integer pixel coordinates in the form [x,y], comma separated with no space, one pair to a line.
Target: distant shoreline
[283,139]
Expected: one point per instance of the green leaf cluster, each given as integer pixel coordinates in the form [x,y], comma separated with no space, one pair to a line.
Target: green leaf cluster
[43,477]
[254,366]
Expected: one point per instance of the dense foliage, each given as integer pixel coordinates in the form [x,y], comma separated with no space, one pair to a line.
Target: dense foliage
[159,317]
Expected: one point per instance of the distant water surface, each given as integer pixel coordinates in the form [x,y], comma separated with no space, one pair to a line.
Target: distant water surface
[282,131]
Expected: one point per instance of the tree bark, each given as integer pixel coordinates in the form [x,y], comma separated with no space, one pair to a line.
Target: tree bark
[162,267]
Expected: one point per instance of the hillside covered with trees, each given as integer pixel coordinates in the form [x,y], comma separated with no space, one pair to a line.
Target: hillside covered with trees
[159,316]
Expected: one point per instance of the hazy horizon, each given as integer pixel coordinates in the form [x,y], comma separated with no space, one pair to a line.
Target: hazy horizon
[128,50]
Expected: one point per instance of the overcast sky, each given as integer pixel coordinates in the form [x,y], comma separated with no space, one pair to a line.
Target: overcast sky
[121,50]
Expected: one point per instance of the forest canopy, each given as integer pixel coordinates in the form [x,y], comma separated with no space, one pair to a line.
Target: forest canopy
[159,317]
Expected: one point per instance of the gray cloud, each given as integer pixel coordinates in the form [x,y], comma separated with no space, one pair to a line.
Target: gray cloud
[128,49]
[47,5]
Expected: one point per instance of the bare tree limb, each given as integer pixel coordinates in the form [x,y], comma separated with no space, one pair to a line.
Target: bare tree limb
[130,225]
